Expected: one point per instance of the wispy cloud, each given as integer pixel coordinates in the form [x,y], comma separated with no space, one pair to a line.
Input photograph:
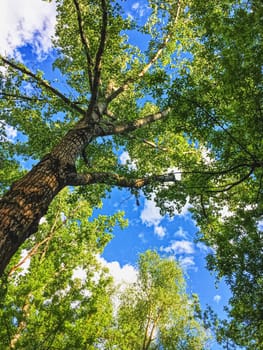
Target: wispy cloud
[204,248]
[179,247]
[125,159]
[160,231]
[217,298]
[180,233]
[139,8]
[26,22]
[150,216]
[9,133]
[187,263]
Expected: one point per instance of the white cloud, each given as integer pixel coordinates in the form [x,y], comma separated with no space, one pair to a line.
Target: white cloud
[225,212]
[79,273]
[142,237]
[122,275]
[139,8]
[176,171]
[204,248]
[42,221]
[150,214]
[63,216]
[184,211]
[217,298]
[206,155]
[179,247]
[9,133]
[180,233]
[125,159]
[25,262]
[160,231]
[26,22]
[135,6]
[187,263]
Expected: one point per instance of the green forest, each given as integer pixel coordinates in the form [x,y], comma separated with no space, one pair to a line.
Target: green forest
[185,101]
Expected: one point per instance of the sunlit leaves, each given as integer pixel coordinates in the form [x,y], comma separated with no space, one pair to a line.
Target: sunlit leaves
[63,298]
[156,312]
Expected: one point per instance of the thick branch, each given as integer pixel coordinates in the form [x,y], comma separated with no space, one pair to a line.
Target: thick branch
[114,179]
[85,43]
[45,84]
[134,125]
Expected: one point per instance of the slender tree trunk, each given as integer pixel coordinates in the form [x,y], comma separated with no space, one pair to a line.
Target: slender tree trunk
[29,198]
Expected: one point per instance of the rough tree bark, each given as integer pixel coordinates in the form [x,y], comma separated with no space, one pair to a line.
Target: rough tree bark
[29,198]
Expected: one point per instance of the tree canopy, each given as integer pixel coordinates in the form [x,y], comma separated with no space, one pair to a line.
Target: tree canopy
[187,109]
[156,312]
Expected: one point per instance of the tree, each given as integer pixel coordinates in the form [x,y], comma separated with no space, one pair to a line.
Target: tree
[63,299]
[156,312]
[224,93]
[191,103]
[105,76]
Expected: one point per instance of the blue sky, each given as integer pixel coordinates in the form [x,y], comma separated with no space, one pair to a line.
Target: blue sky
[31,22]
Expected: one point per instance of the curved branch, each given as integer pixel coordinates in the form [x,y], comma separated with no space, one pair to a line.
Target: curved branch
[114,179]
[85,43]
[227,187]
[43,83]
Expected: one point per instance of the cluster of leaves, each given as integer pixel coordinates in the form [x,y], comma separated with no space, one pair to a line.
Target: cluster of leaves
[156,312]
[222,100]
[62,300]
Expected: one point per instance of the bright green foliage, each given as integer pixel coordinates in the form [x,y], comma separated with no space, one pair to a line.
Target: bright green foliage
[48,306]
[156,312]
[221,98]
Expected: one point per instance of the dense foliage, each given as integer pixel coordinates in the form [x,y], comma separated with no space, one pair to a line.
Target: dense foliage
[156,312]
[57,298]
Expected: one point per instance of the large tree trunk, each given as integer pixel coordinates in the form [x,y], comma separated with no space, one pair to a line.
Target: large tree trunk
[29,198]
